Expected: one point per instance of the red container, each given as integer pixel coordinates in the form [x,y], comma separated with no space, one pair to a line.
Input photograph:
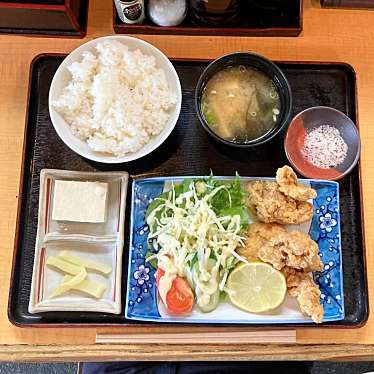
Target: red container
[61,15]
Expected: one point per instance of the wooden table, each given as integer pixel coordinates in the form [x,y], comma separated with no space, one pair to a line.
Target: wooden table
[329,35]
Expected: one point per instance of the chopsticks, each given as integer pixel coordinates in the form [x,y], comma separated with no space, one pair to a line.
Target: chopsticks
[233,337]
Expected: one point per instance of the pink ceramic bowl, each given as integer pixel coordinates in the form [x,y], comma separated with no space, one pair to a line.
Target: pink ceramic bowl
[314,117]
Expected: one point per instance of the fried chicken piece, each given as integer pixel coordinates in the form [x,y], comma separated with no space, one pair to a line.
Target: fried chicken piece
[301,285]
[257,235]
[283,201]
[288,184]
[292,249]
[272,243]
[272,205]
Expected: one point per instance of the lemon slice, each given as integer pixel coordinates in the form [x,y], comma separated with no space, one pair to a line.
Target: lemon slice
[256,287]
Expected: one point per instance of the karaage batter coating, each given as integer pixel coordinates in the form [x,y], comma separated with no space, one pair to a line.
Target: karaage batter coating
[292,249]
[271,205]
[257,235]
[288,184]
[273,244]
[301,285]
[283,201]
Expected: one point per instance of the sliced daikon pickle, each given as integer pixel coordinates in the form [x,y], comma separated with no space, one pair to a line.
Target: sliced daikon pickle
[64,266]
[91,288]
[69,284]
[88,264]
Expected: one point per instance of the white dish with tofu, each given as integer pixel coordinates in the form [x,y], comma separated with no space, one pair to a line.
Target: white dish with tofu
[79,244]
[82,204]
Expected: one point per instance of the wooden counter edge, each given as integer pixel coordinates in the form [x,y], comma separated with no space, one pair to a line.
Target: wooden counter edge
[177,352]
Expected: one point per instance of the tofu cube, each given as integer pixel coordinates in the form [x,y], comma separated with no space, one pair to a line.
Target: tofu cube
[80,201]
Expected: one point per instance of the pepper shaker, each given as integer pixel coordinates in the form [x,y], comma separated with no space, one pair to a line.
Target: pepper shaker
[167,12]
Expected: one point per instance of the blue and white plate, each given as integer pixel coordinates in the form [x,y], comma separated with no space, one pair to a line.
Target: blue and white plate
[142,300]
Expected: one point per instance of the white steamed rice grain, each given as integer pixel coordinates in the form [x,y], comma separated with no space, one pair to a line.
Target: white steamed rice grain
[116,100]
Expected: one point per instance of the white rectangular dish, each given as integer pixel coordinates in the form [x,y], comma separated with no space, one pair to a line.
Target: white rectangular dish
[101,242]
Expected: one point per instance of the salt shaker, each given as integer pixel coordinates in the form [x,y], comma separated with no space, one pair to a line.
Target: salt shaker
[167,12]
[130,11]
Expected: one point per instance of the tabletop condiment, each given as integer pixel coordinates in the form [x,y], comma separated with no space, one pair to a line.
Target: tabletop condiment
[324,147]
[167,12]
[214,12]
[130,11]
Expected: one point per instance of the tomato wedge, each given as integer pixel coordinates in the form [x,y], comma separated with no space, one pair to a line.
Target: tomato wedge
[179,298]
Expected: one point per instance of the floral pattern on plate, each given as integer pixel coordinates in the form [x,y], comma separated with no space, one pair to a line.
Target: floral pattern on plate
[141,290]
[141,301]
[325,230]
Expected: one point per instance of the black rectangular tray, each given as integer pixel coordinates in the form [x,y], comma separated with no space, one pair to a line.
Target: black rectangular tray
[283,19]
[54,33]
[187,151]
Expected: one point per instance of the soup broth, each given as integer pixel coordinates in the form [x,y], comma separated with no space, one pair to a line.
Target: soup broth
[240,104]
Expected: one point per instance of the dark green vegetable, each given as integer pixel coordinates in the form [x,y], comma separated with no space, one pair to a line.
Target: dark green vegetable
[228,201]
[223,297]
[179,188]
[155,203]
[193,261]
[152,262]
[210,119]
[231,200]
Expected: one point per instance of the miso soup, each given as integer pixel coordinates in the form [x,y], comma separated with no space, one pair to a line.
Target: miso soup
[240,104]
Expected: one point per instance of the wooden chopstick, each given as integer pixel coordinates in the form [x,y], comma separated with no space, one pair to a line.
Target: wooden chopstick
[234,337]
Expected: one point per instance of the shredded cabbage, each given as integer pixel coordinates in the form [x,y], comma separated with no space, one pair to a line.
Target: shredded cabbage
[195,229]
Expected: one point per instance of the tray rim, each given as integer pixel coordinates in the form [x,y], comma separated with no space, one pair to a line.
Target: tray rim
[131,177]
[210,31]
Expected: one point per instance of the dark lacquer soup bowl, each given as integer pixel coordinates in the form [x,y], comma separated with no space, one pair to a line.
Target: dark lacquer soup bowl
[254,62]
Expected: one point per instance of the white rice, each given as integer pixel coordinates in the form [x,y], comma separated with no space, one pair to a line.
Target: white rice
[116,100]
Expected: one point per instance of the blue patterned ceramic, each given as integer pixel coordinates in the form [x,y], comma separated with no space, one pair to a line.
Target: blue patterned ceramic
[142,302]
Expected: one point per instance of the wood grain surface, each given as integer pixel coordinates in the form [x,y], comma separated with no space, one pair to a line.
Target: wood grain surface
[329,35]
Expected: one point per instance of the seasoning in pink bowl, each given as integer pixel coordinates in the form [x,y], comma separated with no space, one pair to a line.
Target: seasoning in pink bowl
[322,143]
[324,147]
